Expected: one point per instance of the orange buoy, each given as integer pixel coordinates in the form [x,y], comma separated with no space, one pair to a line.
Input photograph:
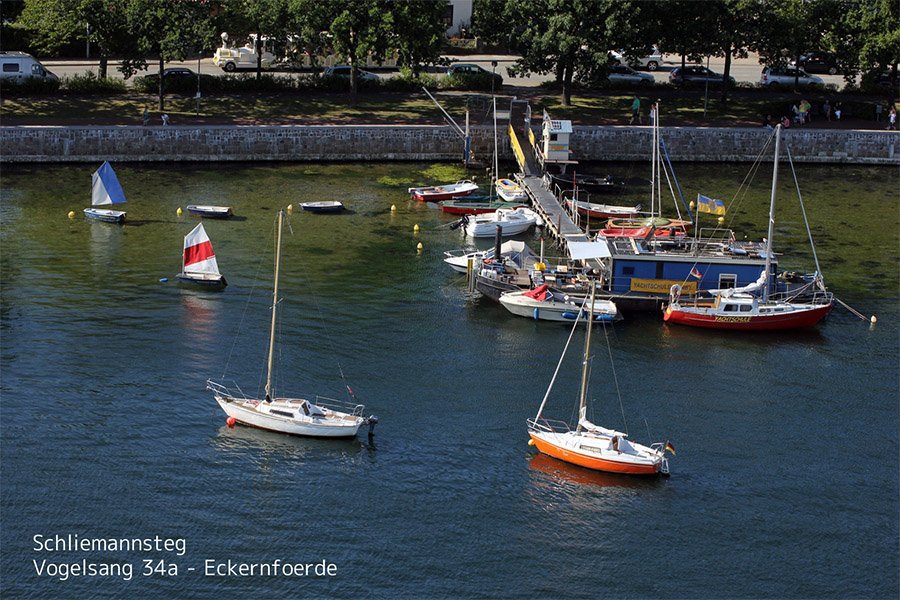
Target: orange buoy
[230,421]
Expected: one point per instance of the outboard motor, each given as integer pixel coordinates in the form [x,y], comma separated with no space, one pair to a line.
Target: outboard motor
[372,421]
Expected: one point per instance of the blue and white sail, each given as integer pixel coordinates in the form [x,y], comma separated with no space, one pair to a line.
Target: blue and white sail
[105,187]
[106,190]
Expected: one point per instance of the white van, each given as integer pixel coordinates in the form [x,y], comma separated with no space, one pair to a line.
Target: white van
[21,67]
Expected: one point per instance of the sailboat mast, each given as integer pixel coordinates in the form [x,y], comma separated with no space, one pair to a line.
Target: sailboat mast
[269,392]
[496,151]
[585,366]
[769,245]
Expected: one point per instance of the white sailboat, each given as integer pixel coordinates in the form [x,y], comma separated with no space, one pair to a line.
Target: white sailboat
[545,304]
[589,445]
[318,417]
[106,190]
[198,262]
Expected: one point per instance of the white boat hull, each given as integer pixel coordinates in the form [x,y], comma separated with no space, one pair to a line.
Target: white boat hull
[510,221]
[557,310]
[257,413]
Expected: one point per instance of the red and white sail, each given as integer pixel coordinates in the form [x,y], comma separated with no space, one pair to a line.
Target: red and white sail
[198,252]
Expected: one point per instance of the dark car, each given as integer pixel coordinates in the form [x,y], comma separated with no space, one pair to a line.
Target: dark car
[178,72]
[696,76]
[472,75]
[818,62]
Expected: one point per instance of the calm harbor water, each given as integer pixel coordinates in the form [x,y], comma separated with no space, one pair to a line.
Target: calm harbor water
[785,483]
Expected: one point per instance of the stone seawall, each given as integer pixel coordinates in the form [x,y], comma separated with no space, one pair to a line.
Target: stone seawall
[420,143]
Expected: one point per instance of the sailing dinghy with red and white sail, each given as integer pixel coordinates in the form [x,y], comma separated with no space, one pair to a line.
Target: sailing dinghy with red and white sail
[199,264]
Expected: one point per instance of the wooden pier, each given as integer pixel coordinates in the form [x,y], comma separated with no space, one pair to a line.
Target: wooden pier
[556,220]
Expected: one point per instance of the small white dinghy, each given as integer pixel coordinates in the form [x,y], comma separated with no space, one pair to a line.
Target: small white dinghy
[511,221]
[544,304]
[106,190]
[198,263]
[510,191]
[210,212]
[323,206]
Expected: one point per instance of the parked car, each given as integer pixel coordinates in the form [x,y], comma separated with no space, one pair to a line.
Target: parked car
[472,73]
[18,67]
[623,74]
[650,62]
[696,75]
[773,77]
[817,62]
[178,72]
[343,71]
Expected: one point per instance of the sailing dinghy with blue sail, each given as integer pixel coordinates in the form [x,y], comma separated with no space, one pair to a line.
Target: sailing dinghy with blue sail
[105,191]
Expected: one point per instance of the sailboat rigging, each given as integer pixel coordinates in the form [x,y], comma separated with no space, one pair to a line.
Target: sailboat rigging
[105,190]
[590,445]
[319,417]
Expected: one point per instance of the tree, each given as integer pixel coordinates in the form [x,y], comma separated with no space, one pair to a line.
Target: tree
[868,32]
[420,33]
[167,31]
[262,20]
[355,28]
[102,23]
[570,37]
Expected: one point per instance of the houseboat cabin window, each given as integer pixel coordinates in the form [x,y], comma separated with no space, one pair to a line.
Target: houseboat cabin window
[730,308]
[727,281]
[746,308]
[627,270]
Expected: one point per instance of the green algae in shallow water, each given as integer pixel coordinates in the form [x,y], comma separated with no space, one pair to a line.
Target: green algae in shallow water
[444,173]
[393,180]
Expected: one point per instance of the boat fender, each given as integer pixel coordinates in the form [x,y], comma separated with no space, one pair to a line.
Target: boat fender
[372,421]
[230,421]
[569,315]
[163,279]
[536,313]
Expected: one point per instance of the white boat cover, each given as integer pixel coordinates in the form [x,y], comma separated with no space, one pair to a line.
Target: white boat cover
[587,250]
[198,252]
[105,187]
[745,289]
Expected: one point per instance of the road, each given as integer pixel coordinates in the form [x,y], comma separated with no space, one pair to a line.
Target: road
[746,70]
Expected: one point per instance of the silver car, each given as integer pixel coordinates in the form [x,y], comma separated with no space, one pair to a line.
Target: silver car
[773,77]
[622,74]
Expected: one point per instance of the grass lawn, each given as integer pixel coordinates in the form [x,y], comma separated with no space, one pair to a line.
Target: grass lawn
[611,107]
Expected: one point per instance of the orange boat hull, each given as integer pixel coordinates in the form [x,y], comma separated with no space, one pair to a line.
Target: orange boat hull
[591,462]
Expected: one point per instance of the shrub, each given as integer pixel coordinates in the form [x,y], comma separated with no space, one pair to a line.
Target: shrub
[88,83]
[33,86]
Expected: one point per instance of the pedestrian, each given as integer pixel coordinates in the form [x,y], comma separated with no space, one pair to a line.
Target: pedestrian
[892,119]
[767,122]
[165,120]
[785,122]
[653,114]
[805,111]
[146,116]
[795,113]
[837,111]
[826,109]
[878,109]
[636,111]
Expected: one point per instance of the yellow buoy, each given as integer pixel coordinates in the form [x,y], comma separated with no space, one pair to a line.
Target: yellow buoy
[873,320]
[539,266]
[419,247]
[530,442]
[416,228]
[71,214]
[178,211]
[692,205]
[290,208]
[721,220]
[393,208]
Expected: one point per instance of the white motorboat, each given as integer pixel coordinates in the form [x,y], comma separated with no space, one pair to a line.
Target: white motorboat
[545,304]
[511,221]
[459,260]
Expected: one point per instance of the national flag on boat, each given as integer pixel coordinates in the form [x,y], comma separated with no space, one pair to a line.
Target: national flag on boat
[710,205]
[670,448]
[198,252]
[105,187]
[696,273]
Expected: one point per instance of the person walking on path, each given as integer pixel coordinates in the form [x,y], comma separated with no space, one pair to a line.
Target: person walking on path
[146,116]
[165,120]
[826,109]
[892,119]
[636,111]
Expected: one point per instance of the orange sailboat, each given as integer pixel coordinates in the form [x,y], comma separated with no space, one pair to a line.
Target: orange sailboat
[589,445]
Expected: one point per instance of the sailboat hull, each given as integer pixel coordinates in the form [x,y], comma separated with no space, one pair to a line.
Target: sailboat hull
[797,318]
[105,215]
[609,462]
[246,412]
[204,280]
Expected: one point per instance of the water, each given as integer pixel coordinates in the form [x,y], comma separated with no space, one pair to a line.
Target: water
[785,483]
